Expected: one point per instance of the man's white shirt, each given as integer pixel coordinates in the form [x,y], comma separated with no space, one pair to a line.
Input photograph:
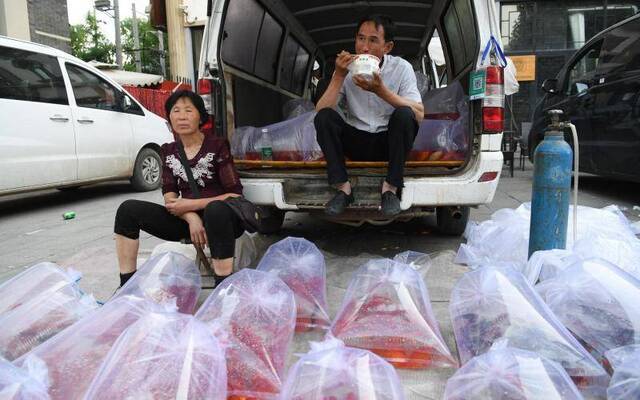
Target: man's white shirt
[364,110]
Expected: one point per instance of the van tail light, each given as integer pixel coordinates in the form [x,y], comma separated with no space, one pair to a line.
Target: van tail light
[493,102]
[206,92]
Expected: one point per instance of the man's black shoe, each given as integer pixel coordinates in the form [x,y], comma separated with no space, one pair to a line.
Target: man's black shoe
[338,203]
[390,204]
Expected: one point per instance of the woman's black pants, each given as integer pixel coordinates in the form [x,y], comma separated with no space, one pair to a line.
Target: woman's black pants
[221,224]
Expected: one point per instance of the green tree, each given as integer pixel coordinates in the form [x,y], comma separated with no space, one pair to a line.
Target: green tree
[89,43]
[149,52]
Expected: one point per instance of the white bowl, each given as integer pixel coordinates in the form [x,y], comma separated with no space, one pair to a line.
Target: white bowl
[365,65]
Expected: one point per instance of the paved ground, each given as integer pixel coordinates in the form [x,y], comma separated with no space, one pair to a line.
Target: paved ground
[32,231]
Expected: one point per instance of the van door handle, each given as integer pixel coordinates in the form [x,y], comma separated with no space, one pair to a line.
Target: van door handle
[85,121]
[59,118]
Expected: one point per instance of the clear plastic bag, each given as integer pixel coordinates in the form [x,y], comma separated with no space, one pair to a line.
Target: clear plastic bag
[504,239]
[300,264]
[546,264]
[37,320]
[625,382]
[296,107]
[290,140]
[511,374]
[74,355]
[38,280]
[28,383]
[491,304]
[443,134]
[387,310]
[597,302]
[421,262]
[164,277]
[330,370]
[163,356]
[256,312]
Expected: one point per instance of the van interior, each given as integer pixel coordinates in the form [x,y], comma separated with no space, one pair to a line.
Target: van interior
[268,49]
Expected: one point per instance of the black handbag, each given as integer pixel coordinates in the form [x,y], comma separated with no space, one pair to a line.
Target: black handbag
[250,214]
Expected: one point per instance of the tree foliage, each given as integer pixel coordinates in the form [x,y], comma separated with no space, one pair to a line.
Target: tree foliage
[89,43]
[149,51]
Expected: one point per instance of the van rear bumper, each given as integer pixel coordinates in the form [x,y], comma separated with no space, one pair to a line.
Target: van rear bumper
[461,189]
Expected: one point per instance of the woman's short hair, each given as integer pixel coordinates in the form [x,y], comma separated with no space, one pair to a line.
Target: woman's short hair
[195,99]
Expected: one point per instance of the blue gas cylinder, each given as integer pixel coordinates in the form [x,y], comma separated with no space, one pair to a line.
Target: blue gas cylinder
[551,191]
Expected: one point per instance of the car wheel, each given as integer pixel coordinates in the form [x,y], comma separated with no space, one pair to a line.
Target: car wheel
[273,222]
[146,171]
[452,220]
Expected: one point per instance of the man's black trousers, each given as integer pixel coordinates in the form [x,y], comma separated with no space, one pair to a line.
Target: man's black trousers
[339,140]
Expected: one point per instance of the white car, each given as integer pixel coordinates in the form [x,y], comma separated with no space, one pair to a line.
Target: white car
[64,124]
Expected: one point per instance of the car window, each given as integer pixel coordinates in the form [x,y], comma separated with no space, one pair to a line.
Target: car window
[459,28]
[269,41]
[621,49]
[436,67]
[295,60]
[91,91]
[29,76]
[240,36]
[582,74]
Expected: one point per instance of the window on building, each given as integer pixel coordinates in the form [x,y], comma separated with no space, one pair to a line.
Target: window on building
[91,91]
[31,77]
[516,25]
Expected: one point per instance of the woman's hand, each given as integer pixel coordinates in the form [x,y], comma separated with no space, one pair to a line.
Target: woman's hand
[179,206]
[196,230]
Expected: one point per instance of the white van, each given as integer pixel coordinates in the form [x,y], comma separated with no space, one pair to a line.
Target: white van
[64,124]
[257,56]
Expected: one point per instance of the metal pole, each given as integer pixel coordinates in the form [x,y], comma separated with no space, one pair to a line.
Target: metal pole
[136,39]
[163,67]
[116,14]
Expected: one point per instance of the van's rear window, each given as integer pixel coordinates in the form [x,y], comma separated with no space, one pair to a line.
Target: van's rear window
[460,31]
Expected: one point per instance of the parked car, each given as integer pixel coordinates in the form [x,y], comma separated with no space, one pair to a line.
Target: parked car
[64,124]
[599,91]
[257,56]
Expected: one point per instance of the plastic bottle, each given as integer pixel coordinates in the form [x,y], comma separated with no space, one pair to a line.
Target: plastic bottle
[266,149]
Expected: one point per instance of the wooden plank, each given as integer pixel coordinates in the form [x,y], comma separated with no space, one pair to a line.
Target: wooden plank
[350,164]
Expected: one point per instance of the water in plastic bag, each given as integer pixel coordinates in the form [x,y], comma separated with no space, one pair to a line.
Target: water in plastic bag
[256,313]
[74,355]
[490,304]
[164,277]
[598,302]
[34,322]
[330,370]
[28,383]
[300,264]
[163,356]
[296,107]
[291,140]
[511,374]
[38,280]
[387,310]
[421,262]
[625,382]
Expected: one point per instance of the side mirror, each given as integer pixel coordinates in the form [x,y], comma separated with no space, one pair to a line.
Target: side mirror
[124,102]
[579,87]
[550,86]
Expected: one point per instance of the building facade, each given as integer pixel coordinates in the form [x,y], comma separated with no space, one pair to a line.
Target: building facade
[39,21]
[540,36]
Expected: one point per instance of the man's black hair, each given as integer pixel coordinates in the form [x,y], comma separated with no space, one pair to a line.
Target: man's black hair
[195,99]
[380,20]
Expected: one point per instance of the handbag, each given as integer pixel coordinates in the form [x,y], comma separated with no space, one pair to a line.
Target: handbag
[250,214]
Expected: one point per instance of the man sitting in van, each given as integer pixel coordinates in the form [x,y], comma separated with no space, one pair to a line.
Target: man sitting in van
[381,115]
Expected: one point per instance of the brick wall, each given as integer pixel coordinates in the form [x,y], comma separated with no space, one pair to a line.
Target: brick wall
[49,16]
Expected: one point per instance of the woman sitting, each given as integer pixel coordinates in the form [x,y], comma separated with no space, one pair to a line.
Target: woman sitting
[202,216]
